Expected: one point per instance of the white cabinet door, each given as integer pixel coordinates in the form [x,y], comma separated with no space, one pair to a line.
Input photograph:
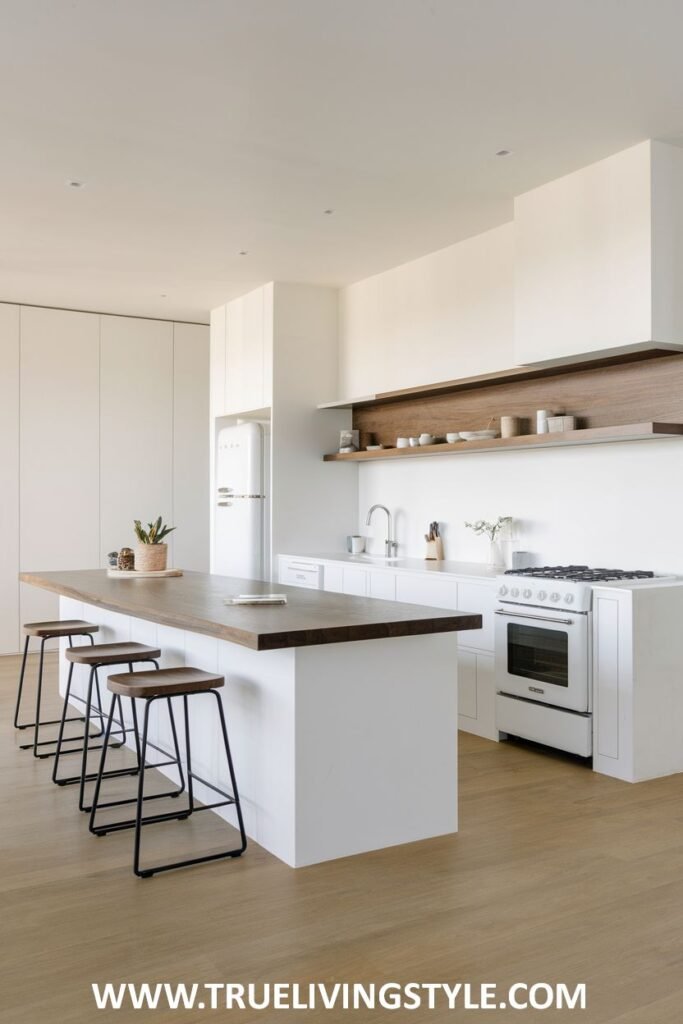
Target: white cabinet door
[136,426]
[479,598]
[467,685]
[9,478]
[59,448]
[234,357]
[245,349]
[440,593]
[355,581]
[217,363]
[190,541]
[382,585]
[477,694]
[333,578]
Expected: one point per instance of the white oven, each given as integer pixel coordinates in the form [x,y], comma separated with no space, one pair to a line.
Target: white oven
[543,655]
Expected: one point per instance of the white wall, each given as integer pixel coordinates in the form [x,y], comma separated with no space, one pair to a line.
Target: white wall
[449,314]
[602,505]
[102,420]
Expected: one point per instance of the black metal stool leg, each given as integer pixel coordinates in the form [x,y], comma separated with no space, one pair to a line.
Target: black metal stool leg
[233,780]
[20,688]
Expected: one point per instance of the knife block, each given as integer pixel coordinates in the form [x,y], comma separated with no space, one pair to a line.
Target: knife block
[434,550]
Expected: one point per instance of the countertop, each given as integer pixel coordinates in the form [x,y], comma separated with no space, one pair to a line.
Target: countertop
[195,602]
[475,570]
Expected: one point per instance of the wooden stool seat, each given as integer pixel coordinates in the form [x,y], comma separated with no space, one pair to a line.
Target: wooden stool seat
[63,627]
[112,654]
[166,682]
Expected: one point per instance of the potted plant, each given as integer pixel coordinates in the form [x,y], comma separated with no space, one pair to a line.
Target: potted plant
[151,554]
[492,531]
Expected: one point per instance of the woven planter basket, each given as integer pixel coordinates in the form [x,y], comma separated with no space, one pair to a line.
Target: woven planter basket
[151,557]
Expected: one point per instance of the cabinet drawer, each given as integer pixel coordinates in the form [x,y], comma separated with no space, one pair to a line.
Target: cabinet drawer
[301,574]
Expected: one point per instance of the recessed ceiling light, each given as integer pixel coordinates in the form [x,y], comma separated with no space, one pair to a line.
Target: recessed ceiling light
[72,183]
[163,295]
[243,252]
[328,212]
[504,152]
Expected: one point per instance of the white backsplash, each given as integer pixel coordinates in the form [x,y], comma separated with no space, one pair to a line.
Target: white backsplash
[615,505]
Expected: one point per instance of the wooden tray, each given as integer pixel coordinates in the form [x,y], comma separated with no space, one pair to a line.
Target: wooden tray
[123,574]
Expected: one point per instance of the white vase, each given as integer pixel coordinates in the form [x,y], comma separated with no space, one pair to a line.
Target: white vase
[496,560]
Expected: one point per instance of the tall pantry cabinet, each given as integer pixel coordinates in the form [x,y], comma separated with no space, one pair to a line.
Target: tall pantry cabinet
[101,422]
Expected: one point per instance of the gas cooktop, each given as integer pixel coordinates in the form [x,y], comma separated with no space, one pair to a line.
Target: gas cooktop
[566,586]
[581,573]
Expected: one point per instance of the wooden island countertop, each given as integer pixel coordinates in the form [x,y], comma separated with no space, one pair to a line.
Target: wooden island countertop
[195,602]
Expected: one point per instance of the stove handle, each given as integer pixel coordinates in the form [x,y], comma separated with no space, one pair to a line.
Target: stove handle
[541,618]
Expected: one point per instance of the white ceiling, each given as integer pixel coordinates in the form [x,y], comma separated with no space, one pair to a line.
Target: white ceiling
[204,127]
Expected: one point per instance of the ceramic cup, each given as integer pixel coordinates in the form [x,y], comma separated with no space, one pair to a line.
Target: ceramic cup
[509,426]
[355,544]
[402,442]
[414,442]
[426,439]
[453,437]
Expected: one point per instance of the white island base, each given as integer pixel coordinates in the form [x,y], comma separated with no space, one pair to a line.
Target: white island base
[338,748]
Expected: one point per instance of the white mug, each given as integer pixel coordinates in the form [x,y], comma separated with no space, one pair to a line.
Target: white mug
[355,544]
[402,442]
[414,442]
[426,439]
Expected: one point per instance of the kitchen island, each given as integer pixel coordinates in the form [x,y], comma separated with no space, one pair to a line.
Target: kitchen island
[342,711]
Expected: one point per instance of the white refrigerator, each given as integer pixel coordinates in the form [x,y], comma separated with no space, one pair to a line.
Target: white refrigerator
[240,504]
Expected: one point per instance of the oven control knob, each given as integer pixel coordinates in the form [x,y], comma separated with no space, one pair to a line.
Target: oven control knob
[554,596]
[568,598]
[503,590]
[527,593]
[514,592]
[542,595]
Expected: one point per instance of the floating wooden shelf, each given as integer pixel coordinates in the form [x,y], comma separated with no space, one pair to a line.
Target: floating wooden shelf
[591,435]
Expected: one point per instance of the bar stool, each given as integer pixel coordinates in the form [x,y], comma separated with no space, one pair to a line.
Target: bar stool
[47,631]
[95,657]
[151,687]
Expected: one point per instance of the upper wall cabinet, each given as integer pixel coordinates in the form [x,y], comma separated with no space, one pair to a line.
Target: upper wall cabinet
[241,353]
[597,255]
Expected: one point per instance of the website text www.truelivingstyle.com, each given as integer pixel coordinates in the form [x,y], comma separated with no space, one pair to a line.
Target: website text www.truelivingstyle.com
[351,996]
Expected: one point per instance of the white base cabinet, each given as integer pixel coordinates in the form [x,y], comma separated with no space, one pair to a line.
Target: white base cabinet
[637,691]
[474,672]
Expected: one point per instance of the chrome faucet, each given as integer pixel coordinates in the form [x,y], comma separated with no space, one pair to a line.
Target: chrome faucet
[390,545]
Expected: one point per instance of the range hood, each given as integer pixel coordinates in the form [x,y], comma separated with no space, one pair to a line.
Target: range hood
[599,260]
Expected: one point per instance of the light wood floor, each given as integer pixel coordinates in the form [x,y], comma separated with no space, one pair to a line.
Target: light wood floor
[557,875]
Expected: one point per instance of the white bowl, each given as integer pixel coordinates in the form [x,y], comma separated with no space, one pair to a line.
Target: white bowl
[453,437]
[478,435]
[374,448]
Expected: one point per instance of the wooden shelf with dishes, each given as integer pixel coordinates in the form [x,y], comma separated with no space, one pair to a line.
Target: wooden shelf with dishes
[637,396]
[590,435]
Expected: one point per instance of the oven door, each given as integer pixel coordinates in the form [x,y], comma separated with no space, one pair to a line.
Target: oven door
[543,655]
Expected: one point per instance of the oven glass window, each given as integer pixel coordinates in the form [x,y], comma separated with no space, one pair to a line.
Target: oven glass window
[537,653]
